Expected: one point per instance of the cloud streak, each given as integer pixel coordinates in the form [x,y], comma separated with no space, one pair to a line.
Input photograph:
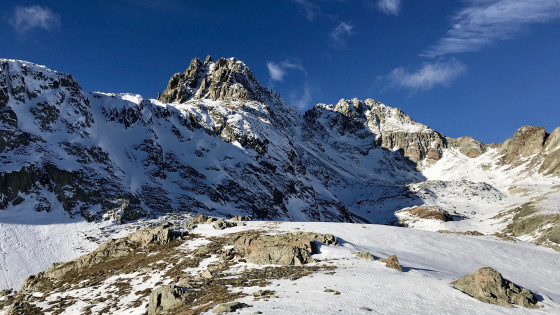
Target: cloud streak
[25,19]
[339,34]
[389,7]
[484,22]
[278,71]
[427,76]
[308,9]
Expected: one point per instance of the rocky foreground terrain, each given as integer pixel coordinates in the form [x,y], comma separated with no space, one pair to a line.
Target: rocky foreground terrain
[179,265]
[79,169]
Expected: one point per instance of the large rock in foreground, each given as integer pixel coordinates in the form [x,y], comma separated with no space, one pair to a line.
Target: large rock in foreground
[487,285]
[290,249]
[166,300]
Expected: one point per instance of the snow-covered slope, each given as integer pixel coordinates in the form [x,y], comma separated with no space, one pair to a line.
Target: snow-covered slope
[216,141]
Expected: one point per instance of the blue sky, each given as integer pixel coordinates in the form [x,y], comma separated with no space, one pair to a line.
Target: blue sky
[481,68]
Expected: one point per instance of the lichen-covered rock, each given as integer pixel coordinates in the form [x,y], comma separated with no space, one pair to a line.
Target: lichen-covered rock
[166,300]
[487,285]
[291,249]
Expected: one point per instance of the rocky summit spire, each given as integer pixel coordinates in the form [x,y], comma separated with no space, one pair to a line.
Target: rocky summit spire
[226,79]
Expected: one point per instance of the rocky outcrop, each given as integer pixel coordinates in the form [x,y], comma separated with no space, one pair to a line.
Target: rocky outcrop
[106,252]
[535,143]
[468,146]
[290,249]
[428,212]
[526,141]
[221,224]
[166,300]
[551,163]
[364,255]
[487,285]
[393,263]
[161,234]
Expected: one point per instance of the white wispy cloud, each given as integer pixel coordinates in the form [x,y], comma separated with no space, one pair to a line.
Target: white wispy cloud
[427,76]
[277,70]
[391,7]
[339,34]
[25,19]
[484,22]
[308,9]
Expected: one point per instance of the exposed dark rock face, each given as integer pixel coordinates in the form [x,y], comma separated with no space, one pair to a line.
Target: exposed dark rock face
[488,285]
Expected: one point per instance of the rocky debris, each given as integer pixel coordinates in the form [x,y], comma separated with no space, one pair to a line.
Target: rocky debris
[166,300]
[468,146]
[392,262]
[334,292]
[6,298]
[229,307]
[487,285]
[264,294]
[206,274]
[23,307]
[428,212]
[526,141]
[227,254]
[471,233]
[365,255]
[290,249]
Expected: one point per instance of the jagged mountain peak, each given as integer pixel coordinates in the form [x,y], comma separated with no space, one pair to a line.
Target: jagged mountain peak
[223,80]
